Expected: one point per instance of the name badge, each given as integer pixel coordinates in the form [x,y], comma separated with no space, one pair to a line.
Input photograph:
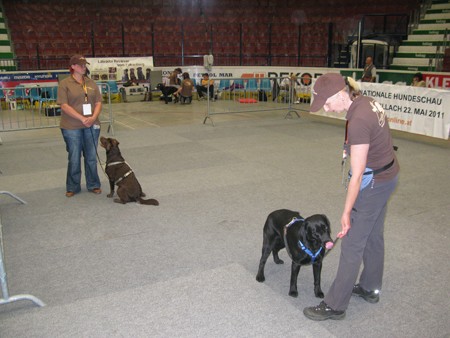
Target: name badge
[87,109]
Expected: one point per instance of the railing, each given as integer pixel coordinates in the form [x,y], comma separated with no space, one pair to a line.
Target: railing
[34,107]
[251,96]
[391,28]
[440,52]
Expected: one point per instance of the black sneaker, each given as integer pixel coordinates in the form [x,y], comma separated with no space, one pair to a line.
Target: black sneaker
[369,296]
[322,312]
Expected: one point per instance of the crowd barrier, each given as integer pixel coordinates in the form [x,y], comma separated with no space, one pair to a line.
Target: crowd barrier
[6,298]
[27,107]
[252,95]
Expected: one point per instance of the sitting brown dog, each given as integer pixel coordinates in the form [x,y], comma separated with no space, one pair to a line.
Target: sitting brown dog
[120,174]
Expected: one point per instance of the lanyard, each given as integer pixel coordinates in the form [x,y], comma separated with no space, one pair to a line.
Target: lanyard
[85,92]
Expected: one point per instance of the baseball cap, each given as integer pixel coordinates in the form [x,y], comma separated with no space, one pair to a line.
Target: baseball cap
[78,60]
[326,86]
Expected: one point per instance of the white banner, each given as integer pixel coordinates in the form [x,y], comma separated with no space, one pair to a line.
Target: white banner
[424,111]
[120,68]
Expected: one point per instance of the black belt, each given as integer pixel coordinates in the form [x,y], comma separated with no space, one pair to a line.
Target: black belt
[380,170]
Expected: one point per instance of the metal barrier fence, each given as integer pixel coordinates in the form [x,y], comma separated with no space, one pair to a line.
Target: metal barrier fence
[237,95]
[34,107]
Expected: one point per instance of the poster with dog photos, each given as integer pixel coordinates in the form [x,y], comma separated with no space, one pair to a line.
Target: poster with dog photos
[121,69]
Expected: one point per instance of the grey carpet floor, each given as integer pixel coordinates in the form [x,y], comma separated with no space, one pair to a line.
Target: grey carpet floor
[187,268]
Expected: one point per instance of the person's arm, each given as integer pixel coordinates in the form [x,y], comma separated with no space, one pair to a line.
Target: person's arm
[358,160]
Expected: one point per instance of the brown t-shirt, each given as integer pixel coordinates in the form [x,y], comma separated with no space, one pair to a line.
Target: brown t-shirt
[72,93]
[368,124]
[187,85]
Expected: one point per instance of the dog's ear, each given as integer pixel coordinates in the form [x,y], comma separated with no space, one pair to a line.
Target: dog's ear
[114,142]
[326,220]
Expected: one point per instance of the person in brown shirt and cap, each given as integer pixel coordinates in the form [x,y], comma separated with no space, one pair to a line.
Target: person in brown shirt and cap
[372,179]
[81,105]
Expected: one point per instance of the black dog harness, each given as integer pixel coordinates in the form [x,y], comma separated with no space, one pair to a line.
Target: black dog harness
[128,173]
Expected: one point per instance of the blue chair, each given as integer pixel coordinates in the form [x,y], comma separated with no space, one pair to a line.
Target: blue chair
[265,85]
[113,87]
[2,98]
[252,85]
[238,85]
[224,84]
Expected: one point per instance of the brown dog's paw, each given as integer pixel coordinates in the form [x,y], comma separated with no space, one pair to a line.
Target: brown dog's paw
[110,195]
[118,200]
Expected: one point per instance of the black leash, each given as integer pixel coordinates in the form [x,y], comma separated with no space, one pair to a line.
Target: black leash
[96,152]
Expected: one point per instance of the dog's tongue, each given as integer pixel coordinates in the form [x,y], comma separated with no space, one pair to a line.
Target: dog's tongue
[329,245]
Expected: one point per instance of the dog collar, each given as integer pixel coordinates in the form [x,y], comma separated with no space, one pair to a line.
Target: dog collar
[309,252]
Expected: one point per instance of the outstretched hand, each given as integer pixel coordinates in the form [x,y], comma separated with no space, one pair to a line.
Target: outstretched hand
[346,225]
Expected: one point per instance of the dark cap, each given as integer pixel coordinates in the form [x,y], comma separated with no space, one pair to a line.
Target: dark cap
[78,60]
[326,86]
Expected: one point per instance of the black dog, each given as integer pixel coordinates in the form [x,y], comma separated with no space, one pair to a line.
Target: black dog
[167,91]
[120,174]
[305,240]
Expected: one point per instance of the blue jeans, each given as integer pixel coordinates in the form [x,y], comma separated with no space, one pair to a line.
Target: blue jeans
[81,141]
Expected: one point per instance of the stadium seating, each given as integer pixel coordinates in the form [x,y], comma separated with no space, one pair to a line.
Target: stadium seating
[229,27]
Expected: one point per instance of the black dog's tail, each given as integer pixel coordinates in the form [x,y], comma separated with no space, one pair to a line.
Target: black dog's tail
[150,201]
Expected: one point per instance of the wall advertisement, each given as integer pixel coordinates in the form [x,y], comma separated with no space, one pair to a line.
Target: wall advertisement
[416,110]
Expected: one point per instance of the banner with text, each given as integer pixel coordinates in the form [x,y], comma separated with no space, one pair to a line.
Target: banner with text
[424,111]
[136,69]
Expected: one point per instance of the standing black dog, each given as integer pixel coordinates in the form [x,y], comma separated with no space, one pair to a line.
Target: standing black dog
[305,240]
[167,91]
[120,174]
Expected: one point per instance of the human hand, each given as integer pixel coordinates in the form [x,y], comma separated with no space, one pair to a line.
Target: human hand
[346,225]
[88,121]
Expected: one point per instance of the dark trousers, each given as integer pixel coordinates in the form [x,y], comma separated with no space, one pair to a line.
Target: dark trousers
[202,91]
[364,243]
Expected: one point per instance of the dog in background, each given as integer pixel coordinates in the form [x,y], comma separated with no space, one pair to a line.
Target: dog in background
[305,240]
[167,92]
[119,173]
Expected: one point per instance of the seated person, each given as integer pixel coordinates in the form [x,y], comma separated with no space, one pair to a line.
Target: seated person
[288,83]
[418,81]
[202,88]
[173,86]
[185,91]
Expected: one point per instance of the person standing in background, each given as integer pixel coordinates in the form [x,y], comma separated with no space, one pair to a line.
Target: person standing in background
[81,104]
[370,71]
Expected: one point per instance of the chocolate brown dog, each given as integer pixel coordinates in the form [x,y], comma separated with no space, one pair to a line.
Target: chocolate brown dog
[120,174]
[304,239]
